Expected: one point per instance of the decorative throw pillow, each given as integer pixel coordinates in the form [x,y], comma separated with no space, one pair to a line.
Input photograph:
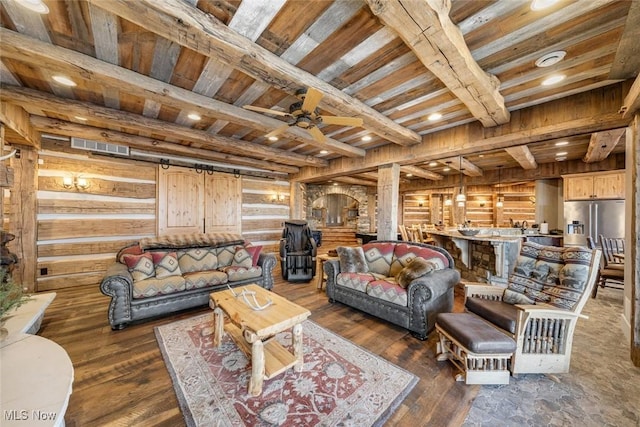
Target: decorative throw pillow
[242,257]
[254,251]
[166,264]
[352,260]
[140,266]
[418,267]
[132,249]
[513,297]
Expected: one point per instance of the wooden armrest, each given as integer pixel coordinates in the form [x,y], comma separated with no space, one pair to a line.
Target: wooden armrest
[541,310]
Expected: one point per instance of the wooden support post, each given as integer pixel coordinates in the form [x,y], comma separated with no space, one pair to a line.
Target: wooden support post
[388,196]
[632,235]
[297,199]
[22,218]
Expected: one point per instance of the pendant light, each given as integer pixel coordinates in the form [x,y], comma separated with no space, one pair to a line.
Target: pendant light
[499,203]
[461,198]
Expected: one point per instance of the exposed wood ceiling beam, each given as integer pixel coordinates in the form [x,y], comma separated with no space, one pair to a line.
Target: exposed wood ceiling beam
[416,171]
[24,48]
[60,127]
[522,155]
[427,29]
[16,119]
[601,145]
[462,165]
[626,63]
[586,114]
[192,28]
[355,181]
[107,117]
[632,100]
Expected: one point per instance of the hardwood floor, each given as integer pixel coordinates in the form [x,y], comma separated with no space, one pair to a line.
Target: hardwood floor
[120,378]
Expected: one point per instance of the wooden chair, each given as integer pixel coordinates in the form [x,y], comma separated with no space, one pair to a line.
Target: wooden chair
[610,274]
[403,232]
[543,332]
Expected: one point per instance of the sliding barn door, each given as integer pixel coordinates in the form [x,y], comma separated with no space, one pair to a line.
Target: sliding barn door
[180,201]
[223,203]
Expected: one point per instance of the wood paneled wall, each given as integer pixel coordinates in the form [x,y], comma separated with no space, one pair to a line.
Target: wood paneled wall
[79,231]
[265,207]
[480,206]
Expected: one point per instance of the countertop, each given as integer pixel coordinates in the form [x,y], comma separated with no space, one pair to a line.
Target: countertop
[490,235]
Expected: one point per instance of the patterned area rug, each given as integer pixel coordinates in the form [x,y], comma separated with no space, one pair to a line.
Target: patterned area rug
[341,384]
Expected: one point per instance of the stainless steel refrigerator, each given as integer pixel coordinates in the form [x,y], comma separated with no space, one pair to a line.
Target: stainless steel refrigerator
[592,218]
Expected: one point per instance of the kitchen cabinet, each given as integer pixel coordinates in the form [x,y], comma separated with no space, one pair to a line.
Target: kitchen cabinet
[599,185]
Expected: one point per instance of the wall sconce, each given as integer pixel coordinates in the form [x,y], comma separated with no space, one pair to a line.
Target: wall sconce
[278,197]
[421,203]
[78,182]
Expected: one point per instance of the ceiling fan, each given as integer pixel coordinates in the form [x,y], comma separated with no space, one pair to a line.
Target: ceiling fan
[305,114]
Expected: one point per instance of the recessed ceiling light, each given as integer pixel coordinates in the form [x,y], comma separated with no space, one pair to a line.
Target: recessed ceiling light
[409,175]
[82,119]
[335,183]
[542,4]
[434,116]
[64,80]
[551,80]
[34,5]
[194,116]
[447,169]
[324,152]
[366,138]
[562,153]
[550,58]
[433,164]
[561,143]
[560,159]
[273,138]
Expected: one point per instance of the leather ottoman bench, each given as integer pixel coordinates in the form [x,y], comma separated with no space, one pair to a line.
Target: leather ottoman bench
[480,351]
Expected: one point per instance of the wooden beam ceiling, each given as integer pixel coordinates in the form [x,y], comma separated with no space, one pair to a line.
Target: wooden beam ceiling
[579,114]
[427,29]
[626,63]
[190,27]
[60,127]
[601,145]
[134,124]
[16,119]
[523,156]
[27,49]
[416,171]
[462,165]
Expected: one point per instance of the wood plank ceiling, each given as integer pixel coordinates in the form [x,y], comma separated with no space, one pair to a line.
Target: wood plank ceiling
[142,67]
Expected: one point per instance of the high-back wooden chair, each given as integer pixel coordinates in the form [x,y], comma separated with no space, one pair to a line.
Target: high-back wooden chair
[610,248]
[543,331]
[610,274]
[403,232]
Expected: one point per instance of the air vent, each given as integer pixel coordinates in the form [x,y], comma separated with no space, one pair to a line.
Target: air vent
[551,58]
[101,147]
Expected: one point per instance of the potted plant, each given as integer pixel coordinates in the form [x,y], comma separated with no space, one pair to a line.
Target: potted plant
[12,296]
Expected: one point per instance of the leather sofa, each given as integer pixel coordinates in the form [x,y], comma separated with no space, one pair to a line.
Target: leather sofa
[373,285]
[163,275]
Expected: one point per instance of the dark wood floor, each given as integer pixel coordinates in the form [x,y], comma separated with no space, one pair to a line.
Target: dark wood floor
[120,378]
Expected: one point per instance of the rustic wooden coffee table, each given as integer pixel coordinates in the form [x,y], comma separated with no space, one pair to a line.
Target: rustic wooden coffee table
[254,331]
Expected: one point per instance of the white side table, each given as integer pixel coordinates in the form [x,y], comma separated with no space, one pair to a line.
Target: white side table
[27,318]
[36,376]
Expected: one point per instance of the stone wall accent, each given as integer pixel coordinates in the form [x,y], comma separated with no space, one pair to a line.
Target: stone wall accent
[357,192]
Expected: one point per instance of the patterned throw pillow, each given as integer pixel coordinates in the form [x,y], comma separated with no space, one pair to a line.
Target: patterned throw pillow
[197,259]
[140,266]
[513,297]
[242,257]
[254,251]
[166,264]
